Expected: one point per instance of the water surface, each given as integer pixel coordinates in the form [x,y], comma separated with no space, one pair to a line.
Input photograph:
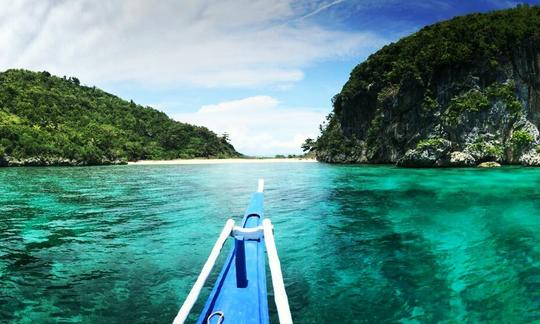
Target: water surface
[357,243]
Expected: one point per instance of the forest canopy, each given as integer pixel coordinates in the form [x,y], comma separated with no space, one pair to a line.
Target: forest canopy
[46,119]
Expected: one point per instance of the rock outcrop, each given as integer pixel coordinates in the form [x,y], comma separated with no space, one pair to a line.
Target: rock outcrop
[489,165]
[530,159]
[461,159]
[457,93]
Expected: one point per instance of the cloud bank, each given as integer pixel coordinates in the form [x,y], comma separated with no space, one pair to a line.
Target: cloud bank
[212,43]
[259,125]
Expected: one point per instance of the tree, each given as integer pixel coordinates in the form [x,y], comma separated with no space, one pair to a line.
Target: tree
[309,145]
[226,137]
[75,80]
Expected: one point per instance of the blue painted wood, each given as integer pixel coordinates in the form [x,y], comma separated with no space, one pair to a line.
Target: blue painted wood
[247,304]
[240,262]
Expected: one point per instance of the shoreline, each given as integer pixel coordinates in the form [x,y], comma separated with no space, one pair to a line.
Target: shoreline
[222,161]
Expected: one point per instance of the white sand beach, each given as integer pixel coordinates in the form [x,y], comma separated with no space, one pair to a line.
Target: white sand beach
[222,161]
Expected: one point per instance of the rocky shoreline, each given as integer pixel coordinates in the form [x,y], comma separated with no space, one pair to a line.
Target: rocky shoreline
[425,159]
[54,161]
[440,154]
[6,161]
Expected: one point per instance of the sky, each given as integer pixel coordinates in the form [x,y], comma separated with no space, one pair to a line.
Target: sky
[263,72]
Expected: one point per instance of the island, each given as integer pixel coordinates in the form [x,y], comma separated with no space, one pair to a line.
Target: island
[457,93]
[49,120]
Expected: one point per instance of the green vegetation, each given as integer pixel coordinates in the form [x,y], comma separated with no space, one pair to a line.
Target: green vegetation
[309,145]
[374,129]
[462,40]
[521,139]
[431,143]
[429,104]
[473,100]
[506,93]
[476,100]
[47,117]
[333,140]
[387,93]
[484,149]
[417,65]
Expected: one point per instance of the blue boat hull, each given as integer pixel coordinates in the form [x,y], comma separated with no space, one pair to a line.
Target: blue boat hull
[240,301]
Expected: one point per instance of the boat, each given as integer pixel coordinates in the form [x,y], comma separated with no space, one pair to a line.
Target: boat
[240,294]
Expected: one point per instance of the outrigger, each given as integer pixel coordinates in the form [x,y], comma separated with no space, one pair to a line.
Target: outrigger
[239,294]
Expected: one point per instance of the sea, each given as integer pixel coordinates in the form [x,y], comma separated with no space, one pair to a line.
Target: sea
[358,244]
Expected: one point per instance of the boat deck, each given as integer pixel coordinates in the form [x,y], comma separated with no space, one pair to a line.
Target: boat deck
[235,300]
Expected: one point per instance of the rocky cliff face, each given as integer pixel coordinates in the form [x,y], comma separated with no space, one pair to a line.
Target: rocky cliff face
[480,107]
[481,114]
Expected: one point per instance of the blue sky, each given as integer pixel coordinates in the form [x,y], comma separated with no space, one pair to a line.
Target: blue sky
[262,71]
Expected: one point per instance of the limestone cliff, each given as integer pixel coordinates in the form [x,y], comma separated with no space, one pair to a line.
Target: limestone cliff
[456,93]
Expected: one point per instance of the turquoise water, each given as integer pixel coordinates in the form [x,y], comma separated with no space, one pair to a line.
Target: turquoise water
[357,244]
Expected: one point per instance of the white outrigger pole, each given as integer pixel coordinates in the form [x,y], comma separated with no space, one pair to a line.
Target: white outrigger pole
[280,295]
[265,231]
[205,272]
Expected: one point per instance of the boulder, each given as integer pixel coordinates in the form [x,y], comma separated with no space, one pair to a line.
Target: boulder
[531,159]
[458,158]
[490,164]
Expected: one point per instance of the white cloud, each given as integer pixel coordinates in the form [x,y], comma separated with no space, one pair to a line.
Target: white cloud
[259,125]
[203,43]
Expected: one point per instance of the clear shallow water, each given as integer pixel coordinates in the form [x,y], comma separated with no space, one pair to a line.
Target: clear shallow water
[357,244]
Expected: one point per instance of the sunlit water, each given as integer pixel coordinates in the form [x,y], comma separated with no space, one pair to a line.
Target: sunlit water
[357,244]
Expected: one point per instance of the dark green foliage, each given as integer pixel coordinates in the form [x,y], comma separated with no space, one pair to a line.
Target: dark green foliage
[521,139]
[309,145]
[412,67]
[374,129]
[430,143]
[486,149]
[332,138]
[506,93]
[476,100]
[387,93]
[461,41]
[429,104]
[46,116]
[473,100]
